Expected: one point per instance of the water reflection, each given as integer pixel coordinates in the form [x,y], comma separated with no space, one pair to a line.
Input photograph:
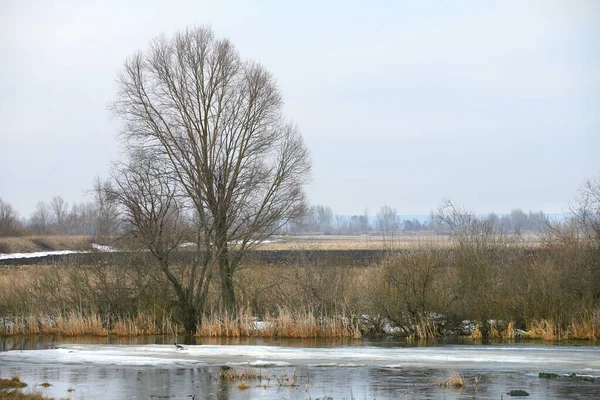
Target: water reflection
[203,383]
[41,342]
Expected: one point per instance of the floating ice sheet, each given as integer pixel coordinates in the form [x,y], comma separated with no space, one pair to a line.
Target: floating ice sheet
[580,359]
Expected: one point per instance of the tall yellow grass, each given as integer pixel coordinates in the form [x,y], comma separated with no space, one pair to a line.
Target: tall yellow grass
[543,329]
[496,330]
[286,324]
[76,324]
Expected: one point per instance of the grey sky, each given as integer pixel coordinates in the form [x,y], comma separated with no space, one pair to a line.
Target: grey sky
[492,104]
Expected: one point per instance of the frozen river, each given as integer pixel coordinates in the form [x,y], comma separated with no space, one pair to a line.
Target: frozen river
[364,371]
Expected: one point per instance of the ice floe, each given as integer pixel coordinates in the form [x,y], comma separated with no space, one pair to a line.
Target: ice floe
[581,359]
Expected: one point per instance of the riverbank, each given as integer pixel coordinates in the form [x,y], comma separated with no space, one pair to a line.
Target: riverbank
[497,289]
[286,324]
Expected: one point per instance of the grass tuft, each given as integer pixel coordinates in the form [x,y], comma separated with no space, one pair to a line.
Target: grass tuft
[455,380]
[13,383]
[544,329]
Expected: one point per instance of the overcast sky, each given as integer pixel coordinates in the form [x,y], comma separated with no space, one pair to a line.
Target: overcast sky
[495,105]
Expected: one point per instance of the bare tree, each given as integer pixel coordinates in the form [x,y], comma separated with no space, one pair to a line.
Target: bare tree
[106,213]
[587,209]
[364,221]
[58,208]
[9,219]
[341,224]
[155,219]
[215,122]
[40,217]
[322,217]
[387,220]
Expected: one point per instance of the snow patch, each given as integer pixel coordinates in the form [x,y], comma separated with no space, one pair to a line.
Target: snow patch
[103,249]
[95,246]
[36,254]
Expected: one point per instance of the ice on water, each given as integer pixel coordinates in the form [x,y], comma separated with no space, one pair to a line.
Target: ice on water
[578,359]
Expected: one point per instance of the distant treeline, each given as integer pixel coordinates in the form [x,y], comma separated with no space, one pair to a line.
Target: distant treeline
[97,217]
[322,219]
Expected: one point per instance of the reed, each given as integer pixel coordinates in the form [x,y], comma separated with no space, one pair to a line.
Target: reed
[509,331]
[476,334]
[543,329]
[76,324]
[20,395]
[286,324]
[587,327]
[455,379]
[12,383]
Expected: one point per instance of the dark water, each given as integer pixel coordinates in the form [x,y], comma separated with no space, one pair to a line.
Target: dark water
[151,367]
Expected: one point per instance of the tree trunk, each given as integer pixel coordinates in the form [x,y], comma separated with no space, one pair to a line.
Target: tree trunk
[189,318]
[227,286]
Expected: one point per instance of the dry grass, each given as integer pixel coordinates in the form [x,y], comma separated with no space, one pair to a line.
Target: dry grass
[312,297]
[286,324]
[400,240]
[243,374]
[12,383]
[496,330]
[355,242]
[77,325]
[586,328]
[455,380]
[543,329]
[30,244]
[509,331]
[20,395]
[476,334]
[80,325]
[11,389]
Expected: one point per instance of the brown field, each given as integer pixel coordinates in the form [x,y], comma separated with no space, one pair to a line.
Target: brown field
[376,241]
[373,241]
[31,244]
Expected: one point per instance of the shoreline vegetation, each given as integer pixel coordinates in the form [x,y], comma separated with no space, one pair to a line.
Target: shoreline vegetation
[475,278]
[478,286]
[284,326]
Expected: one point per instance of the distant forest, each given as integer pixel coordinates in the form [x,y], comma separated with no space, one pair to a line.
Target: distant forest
[322,219]
[101,217]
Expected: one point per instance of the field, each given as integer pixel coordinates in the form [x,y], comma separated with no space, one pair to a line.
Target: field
[377,241]
[32,244]
[373,241]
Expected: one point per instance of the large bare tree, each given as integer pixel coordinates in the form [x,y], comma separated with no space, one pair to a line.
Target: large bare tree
[215,122]
[153,217]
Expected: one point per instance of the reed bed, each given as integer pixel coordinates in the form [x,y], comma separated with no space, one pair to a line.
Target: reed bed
[585,328]
[12,389]
[454,380]
[494,330]
[285,324]
[77,325]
